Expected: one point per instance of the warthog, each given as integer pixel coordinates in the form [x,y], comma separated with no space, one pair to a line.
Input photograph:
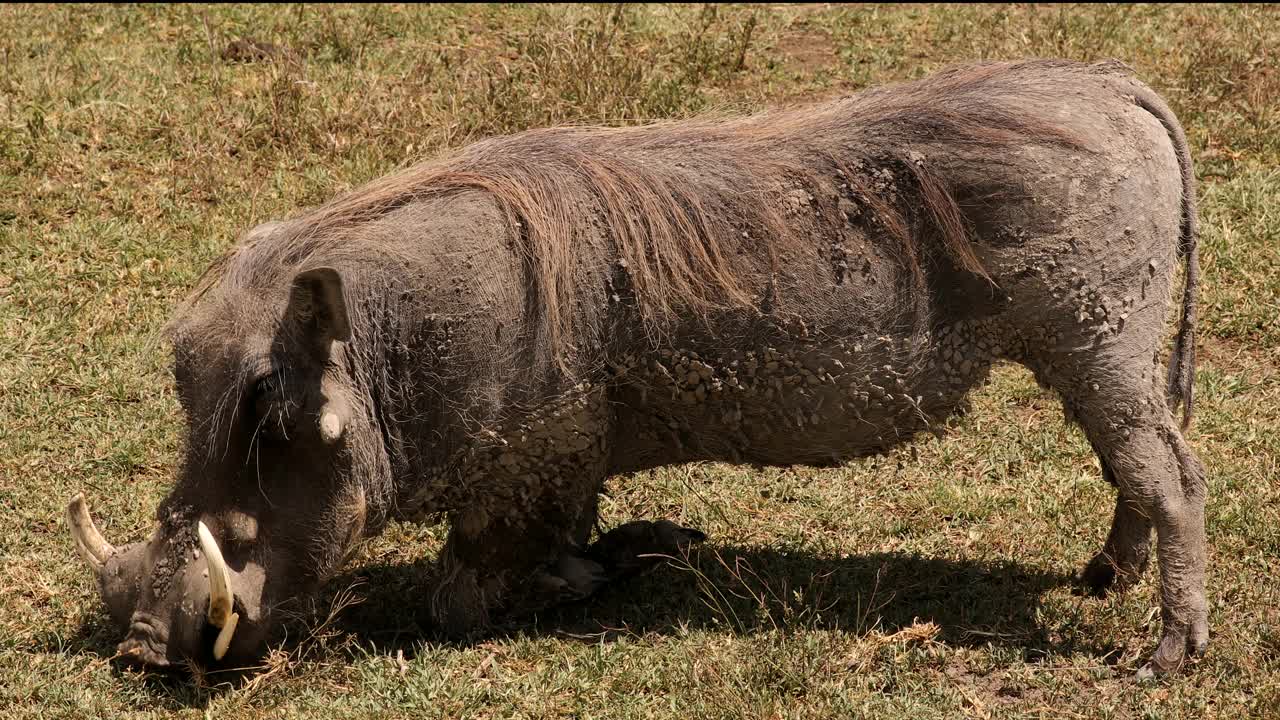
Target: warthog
[487,337]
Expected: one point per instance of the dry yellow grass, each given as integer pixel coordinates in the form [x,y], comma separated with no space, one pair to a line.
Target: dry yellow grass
[933,582]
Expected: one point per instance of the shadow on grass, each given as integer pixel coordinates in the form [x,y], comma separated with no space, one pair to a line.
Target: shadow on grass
[736,590]
[744,590]
[169,690]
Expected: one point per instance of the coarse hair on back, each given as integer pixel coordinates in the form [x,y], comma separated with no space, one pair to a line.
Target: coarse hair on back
[679,199]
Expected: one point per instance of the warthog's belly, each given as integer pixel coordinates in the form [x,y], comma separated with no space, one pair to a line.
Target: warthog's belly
[813,402]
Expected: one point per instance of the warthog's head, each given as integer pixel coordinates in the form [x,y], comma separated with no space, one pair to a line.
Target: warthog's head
[271,494]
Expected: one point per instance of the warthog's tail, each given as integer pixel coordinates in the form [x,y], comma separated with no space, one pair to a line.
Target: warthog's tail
[1182,362]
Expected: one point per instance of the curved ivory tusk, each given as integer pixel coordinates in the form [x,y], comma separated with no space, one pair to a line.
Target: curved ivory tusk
[221,599]
[224,636]
[89,542]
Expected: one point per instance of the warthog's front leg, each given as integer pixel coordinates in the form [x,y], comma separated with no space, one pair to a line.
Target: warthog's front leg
[508,565]
[639,545]
[519,532]
[516,570]
[621,553]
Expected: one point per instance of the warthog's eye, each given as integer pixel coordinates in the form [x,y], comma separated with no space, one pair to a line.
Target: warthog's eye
[266,388]
[270,407]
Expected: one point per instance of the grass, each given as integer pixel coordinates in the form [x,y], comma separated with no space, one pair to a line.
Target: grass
[931,582]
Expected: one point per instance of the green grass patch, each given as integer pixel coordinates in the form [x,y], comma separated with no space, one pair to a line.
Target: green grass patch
[931,582]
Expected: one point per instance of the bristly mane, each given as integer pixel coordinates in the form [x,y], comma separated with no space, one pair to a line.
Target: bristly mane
[675,197]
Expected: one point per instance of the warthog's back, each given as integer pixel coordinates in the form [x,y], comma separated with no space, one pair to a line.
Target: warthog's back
[859,340]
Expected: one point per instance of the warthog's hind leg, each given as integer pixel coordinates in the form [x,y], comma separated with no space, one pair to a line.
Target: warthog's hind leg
[1124,557]
[1121,405]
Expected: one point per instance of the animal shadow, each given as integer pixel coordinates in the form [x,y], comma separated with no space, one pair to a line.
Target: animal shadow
[745,590]
[732,589]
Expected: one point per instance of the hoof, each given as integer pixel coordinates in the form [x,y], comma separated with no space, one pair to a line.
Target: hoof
[1098,576]
[1176,648]
[1103,576]
[579,577]
[634,547]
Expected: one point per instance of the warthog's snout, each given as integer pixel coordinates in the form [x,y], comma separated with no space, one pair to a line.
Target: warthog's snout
[146,645]
[197,614]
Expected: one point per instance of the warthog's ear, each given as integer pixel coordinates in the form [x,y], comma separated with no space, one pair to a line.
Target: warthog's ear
[316,301]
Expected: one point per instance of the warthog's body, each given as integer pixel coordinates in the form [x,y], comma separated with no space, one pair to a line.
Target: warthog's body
[513,325]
